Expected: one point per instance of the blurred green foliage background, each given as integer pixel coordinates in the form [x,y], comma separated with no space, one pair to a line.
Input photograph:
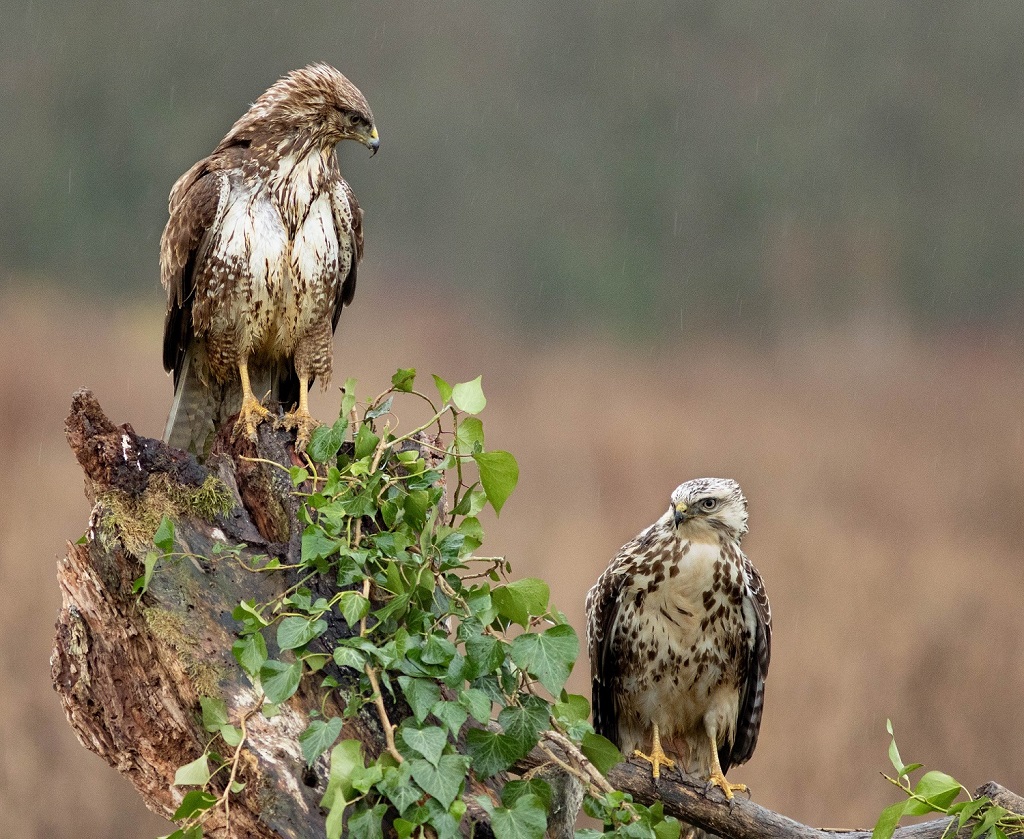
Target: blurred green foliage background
[648,167]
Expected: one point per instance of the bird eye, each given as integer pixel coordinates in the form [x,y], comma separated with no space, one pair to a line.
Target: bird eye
[709,504]
[356,120]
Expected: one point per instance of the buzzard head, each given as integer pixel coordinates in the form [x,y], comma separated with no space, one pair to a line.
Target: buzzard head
[315,102]
[708,505]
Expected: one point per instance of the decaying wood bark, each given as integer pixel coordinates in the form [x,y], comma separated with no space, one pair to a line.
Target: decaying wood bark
[130,670]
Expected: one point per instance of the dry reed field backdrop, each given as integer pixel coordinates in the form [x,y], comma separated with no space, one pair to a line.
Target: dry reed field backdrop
[887,515]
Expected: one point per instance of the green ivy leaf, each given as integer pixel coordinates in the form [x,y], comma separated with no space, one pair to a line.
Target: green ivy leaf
[403,380]
[316,544]
[294,632]
[444,781]
[523,724]
[428,741]
[571,708]
[469,437]
[477,703]
[484,654]
[196,773]
[215,712]
[164,536]
[444,389]
[348,399]
[514,790]
[366,441]
[381,409]
[499,474]
[398,786]
[318,737]
[346,761]
[366,822]
[549,656]
[326,441]
[251,652]
[232,736]
[988,821]
[600,751]
[416,505]
[354,607]
[890,817]
[141,585]
[669,828]
[967,809]
[421,694]
[195,802]
[491,752]
[894,753]
[520,600]
[280,680]
[526,819]
[251,617]
[349,657]
[937,789]
[452,715]
[469,396]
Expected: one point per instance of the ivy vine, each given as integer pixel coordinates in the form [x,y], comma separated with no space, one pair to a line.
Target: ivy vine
[391,521]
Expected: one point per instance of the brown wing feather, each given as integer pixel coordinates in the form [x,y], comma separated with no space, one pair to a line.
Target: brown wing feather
[348,220]
[748,724]
[197,200]
[602,609]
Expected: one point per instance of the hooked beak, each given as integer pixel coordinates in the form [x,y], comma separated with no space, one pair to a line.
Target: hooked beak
[373,142]
[680,514]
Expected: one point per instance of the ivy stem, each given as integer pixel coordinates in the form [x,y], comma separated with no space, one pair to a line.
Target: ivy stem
[573,752]
[378,696]
[236,759]
[389,729]
[377,455]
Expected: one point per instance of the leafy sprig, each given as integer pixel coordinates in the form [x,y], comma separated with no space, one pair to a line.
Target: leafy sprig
[937,792]
[436,633]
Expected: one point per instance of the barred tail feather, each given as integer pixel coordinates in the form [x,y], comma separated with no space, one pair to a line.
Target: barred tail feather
[193,419]
[203,405]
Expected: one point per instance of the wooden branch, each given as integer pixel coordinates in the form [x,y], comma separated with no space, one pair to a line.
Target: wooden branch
[690,801]
[130,670]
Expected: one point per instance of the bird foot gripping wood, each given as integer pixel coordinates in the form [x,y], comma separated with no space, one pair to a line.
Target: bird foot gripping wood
[657,758]
[251,415]
[717,779]
[304,425]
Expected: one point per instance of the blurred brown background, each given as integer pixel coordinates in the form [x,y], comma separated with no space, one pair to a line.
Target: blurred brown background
[775,242]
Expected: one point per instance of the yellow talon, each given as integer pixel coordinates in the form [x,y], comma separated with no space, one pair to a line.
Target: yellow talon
[300,419]
[657,758]
[717,779]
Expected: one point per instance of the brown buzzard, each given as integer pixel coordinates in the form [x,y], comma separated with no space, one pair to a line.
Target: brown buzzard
[258,258]
[679,633]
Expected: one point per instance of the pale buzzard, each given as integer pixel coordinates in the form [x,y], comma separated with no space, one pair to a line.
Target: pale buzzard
[679,633]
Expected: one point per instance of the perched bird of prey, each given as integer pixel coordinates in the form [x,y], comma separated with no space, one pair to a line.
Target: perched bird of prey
[258,258]
[679,633]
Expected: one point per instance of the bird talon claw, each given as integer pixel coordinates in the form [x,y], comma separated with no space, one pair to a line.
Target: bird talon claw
[719,780]
[249,417]
[304,426]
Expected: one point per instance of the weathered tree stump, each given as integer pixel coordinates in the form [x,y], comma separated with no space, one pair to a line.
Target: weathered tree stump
[130,669]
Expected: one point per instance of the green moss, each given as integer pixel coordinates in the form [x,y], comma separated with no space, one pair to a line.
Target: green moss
[206,502]
[172,630]
[135,519]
